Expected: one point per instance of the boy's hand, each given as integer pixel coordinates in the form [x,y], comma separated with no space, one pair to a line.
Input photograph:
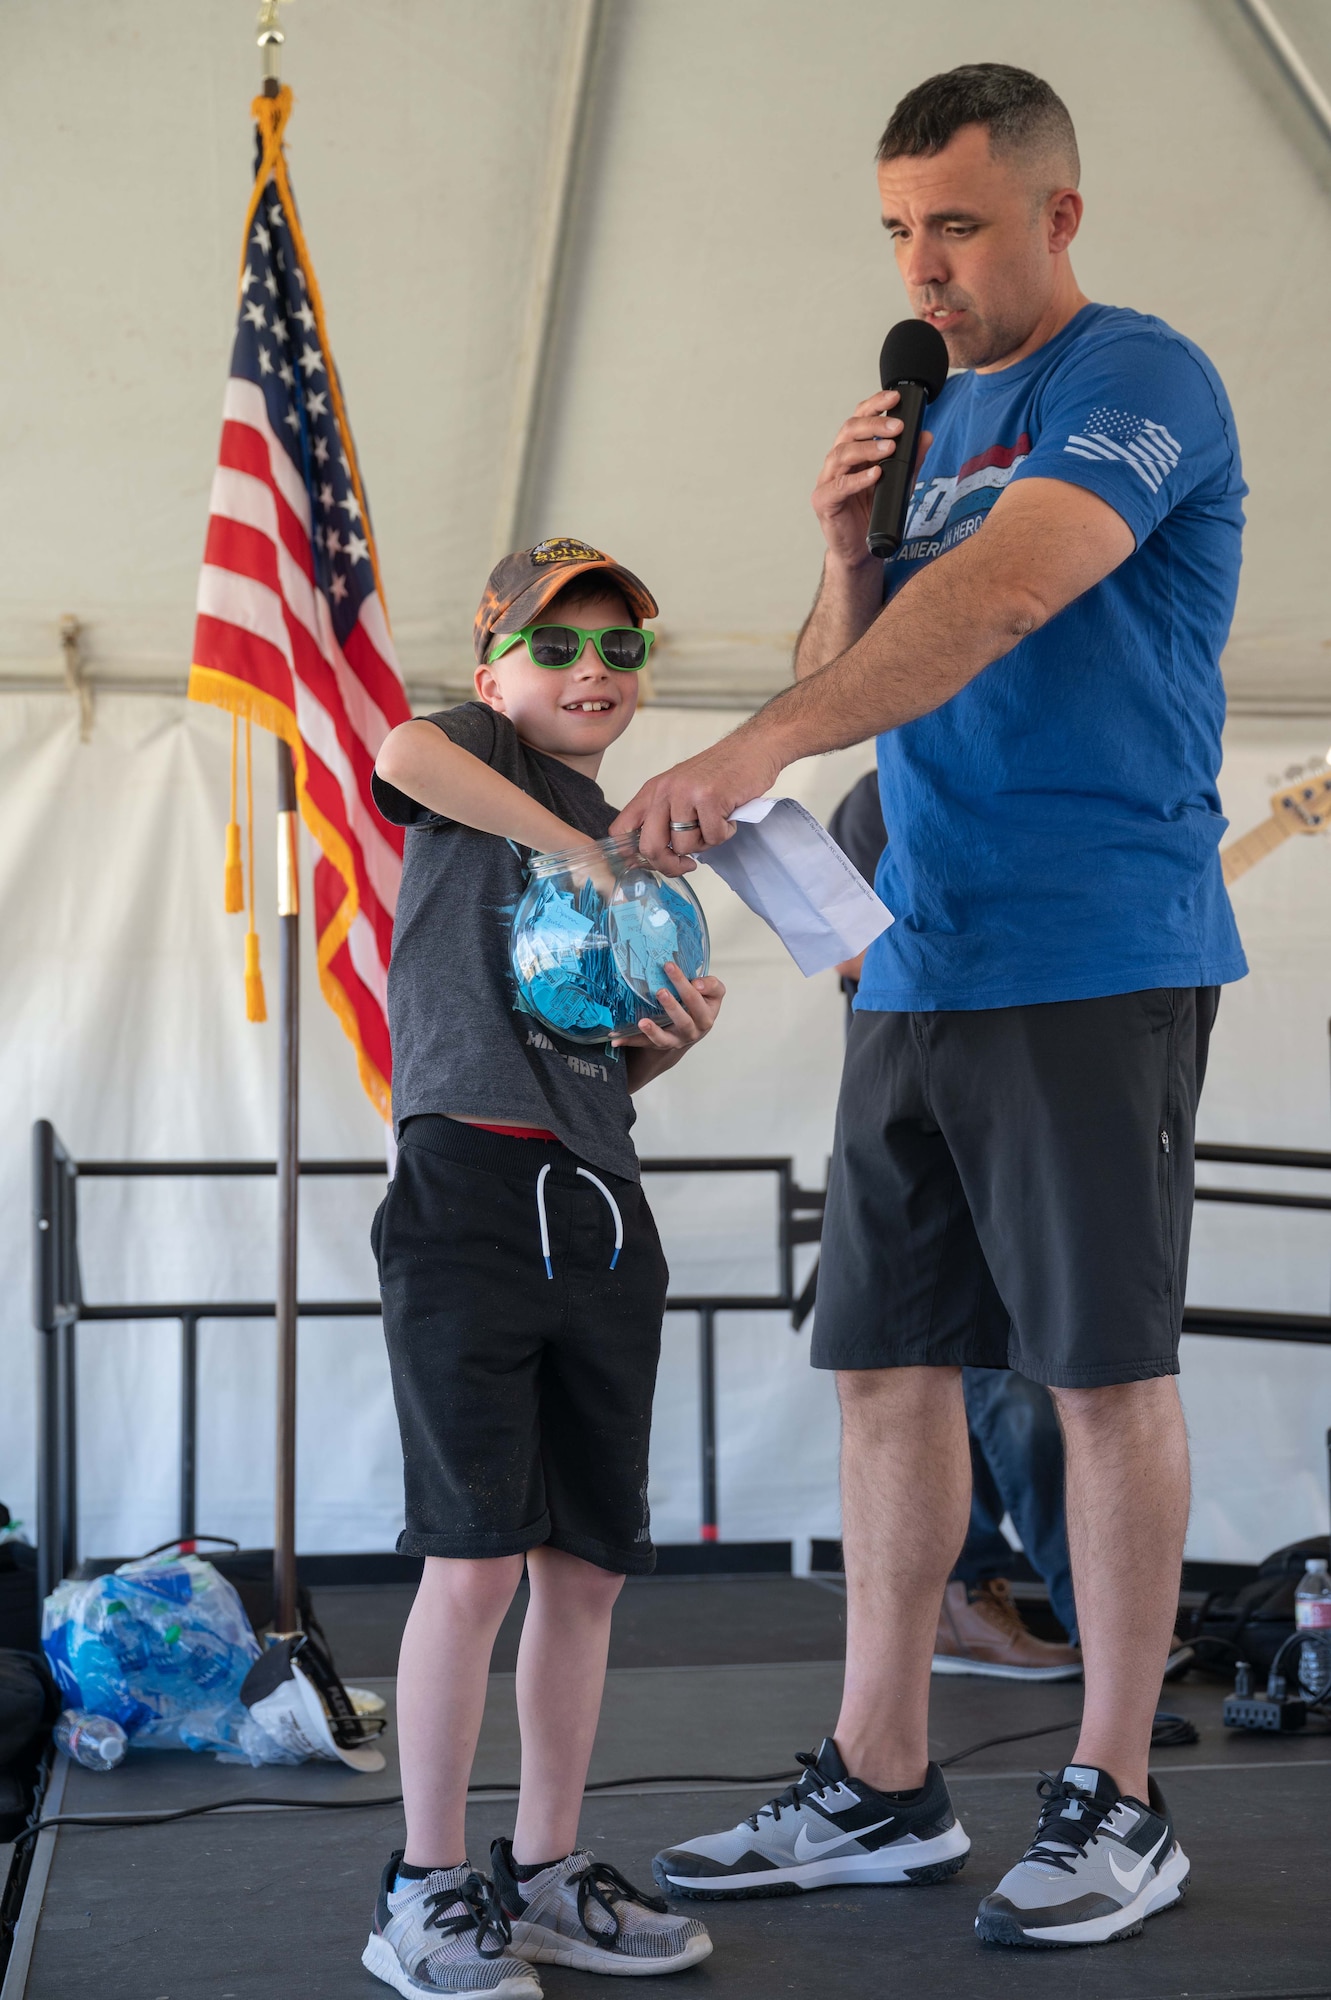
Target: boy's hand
[692,1010]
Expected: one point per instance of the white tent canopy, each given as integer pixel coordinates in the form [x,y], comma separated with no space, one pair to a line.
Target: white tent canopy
[613,270]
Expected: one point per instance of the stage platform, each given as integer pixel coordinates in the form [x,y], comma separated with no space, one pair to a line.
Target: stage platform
[255,1903]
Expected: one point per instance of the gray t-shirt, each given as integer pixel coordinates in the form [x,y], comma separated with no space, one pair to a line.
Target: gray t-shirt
[459,1045]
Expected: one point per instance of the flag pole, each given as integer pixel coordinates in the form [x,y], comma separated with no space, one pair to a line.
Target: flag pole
[285,1619]
[288,1172]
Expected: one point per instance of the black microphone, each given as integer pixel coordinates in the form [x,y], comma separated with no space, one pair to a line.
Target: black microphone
[914,362]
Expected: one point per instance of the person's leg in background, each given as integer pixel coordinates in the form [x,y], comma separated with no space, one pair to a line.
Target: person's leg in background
[1017,1468]
[1015,1423]
[1017,1459]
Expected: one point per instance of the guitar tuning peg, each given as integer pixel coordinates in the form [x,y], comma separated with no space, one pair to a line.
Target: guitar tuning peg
[1294,771]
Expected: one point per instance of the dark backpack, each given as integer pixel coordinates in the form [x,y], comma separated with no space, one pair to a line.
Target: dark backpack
[1253,1622]
[29,1705]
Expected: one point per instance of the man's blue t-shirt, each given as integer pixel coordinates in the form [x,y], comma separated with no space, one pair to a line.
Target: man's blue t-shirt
[1053,828]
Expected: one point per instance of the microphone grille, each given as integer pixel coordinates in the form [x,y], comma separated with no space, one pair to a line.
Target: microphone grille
[914,351]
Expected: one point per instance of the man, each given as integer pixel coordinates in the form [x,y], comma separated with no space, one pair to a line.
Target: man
[1012,1176]
[1015,1444]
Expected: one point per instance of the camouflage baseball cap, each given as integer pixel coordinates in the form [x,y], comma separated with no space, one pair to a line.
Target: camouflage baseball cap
[520,587]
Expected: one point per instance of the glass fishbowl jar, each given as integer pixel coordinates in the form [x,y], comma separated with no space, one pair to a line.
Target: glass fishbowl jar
[591,937]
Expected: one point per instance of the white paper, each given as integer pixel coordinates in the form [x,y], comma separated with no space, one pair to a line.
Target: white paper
[792,874]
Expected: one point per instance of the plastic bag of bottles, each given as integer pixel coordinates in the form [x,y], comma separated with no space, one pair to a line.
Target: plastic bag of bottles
[161,1647]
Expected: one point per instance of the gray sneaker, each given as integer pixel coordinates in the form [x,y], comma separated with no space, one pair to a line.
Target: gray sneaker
[445,1934]
[826,1828]
[1099,1866]
[582,1913]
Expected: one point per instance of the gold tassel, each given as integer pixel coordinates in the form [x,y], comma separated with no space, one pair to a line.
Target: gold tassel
[233,879]
[255,1006]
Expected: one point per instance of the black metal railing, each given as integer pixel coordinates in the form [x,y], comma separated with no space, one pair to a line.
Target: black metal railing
[59,1307]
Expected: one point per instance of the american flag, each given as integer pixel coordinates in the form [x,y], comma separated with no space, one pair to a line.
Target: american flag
[291,624]
[1147,447]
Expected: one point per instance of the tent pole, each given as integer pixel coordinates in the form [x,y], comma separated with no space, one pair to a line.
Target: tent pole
[569,122]
[288,1171]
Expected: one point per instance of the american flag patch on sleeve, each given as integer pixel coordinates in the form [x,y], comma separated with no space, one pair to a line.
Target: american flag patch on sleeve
[1147,447]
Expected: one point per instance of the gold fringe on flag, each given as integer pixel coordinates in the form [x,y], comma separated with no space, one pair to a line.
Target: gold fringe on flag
[233,876]
[256,1008]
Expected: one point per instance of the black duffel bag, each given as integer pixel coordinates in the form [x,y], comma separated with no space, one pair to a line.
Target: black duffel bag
[1253,1622]
[29,1705]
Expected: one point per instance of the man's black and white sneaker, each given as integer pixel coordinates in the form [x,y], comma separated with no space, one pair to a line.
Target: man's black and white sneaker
[581,1912]
[1099,1866]
[828,1827]
[446,1933]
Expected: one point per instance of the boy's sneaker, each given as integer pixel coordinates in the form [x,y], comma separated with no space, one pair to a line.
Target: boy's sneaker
[828,1827]
[445,1934]
[582,1913]
[1099,1865]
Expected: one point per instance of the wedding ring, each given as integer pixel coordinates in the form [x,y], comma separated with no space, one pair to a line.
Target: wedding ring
[685,826]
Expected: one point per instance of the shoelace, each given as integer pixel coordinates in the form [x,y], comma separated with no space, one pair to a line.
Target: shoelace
[482,1912]
[811,1786]
[605,1886]
[997,1598]
[1073,1833]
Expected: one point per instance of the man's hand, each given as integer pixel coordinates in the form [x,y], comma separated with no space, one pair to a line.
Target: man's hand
[689,806]
[850,592]
[691,1010]
[843,496]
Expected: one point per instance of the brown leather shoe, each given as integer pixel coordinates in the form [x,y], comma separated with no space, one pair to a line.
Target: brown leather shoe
[980,1632]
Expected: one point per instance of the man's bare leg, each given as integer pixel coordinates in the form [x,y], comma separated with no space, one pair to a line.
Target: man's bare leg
[905,1503]
[1127,1484]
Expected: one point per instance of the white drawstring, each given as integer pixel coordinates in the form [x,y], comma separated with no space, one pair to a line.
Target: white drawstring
[614,1210]
[545,1226]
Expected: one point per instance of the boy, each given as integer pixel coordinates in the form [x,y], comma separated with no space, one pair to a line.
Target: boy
[523,1288]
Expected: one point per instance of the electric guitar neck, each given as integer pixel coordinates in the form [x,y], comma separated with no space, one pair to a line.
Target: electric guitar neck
[1304,807]
[1252,847]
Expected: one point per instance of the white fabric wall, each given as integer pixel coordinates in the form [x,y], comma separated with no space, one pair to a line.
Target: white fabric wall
[727,292]
[120,989]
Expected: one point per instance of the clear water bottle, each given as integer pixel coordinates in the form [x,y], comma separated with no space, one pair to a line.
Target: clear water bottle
[1312,1613]
[91,1740]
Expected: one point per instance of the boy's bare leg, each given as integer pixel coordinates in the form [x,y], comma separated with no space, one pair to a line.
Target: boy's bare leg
[905,1503]
[441,1680]
[561,1675]
[1127,1483]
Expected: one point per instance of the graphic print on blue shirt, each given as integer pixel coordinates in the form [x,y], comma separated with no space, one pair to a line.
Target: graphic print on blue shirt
[1053,829]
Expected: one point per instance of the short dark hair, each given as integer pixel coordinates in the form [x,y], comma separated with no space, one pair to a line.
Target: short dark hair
[1022,113]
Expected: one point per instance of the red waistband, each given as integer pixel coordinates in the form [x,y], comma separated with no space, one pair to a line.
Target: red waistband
[512,1131]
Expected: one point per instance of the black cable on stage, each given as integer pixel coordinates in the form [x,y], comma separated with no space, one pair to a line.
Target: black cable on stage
[123,1820]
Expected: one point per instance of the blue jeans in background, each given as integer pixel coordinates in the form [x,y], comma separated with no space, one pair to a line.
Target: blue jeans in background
[1017,1468]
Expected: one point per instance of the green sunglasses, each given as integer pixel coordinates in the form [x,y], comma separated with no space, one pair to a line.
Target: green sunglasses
[622,647]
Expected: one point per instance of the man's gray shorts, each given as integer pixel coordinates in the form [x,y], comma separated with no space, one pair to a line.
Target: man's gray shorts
[1012,1188]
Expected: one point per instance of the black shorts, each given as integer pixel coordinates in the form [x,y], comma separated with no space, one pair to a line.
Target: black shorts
[1012,1188]
[523,1294]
